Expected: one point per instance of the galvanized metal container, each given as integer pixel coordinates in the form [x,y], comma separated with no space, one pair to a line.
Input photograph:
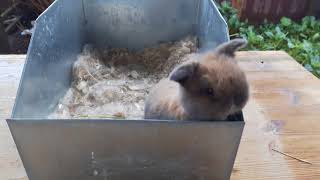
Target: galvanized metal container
[114,149]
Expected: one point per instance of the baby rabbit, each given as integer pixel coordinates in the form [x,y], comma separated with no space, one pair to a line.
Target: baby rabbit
[209,87]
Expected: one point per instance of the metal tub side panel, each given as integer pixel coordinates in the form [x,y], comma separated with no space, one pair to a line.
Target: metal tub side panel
[212,28]
[58,38]
[136,24]
[115,149]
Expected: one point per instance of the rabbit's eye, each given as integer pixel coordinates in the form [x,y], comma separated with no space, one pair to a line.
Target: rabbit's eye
[210,91]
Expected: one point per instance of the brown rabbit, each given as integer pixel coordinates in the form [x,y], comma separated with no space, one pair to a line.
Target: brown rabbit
[208,87]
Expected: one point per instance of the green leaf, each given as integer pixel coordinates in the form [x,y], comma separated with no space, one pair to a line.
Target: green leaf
[303,35]
[225,5]
[308,67]
[286,21]
[307,46]
[269,34]
[312,21]
[260,38]
[290,44]
[279,33]
[315,62]
[316,36]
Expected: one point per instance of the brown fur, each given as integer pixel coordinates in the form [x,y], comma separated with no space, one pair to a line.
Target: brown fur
[186,94]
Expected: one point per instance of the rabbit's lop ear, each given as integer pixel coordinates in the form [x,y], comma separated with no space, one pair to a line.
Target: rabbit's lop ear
[229,48]
[183,72]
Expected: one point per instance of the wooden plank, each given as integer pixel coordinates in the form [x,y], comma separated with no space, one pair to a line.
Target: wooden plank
[13,58]
[10,71]
[265,61]
[282,114]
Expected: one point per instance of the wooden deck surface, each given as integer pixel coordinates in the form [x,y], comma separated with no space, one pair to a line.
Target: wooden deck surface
[282,116]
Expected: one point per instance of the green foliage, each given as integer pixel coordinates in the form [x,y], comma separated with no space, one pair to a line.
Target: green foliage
[299,39]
